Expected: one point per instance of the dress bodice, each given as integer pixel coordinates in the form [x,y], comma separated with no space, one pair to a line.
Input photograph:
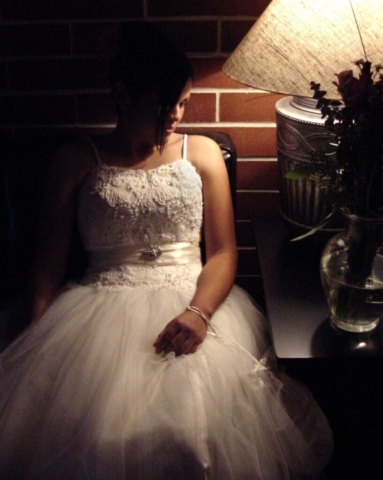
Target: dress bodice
[121,211]
[119,207]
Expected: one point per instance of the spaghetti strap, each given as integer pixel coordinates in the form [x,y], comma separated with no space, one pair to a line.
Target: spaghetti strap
[185,147]
[95,151]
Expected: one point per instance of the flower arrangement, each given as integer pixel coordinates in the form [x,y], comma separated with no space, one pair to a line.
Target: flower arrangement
[353,176]
[353,181]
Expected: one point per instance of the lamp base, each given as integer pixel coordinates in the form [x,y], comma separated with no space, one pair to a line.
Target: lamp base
[300,134]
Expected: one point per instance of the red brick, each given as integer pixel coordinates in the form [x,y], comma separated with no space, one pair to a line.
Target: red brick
[248,107]
[208,74]
[257,205]
[233,32]
[257,142]
[6,110]
[34,40]
[201,108]
[100,108]
[70,9]
[87,37]
[56,74]
[5,133]
[96,108]
[31,132]
[37,110]
[206,7]
[67,132]
[250,142]
[253,142]
[3,76]
[192,36]
[257,175]
[98,130]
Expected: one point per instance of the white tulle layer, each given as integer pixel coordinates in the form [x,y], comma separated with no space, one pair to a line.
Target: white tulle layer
[84,396]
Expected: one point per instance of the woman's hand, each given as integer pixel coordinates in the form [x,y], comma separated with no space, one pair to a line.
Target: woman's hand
[181,335]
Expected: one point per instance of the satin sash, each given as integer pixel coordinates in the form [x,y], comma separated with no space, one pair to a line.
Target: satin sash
[178,253]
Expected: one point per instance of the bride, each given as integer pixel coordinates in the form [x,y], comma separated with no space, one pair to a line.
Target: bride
[153,366]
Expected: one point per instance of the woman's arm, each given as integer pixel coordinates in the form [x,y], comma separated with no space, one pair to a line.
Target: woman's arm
[184,333]
[56,224]
[218,274]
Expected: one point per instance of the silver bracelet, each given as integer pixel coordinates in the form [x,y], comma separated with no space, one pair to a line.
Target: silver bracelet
[196,310]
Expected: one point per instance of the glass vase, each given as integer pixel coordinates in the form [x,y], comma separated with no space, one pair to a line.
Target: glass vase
[351,272]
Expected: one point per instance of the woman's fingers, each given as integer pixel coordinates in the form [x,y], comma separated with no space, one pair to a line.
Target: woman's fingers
[189,346]
[182,335]
[176,344]
[166,336]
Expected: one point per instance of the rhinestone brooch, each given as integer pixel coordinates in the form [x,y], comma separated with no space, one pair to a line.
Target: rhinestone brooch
[152,252]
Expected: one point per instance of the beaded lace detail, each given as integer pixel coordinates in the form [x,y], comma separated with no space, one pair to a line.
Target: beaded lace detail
[119,206]
[181,277]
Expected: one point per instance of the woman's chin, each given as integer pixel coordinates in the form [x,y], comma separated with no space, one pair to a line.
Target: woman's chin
[170,129]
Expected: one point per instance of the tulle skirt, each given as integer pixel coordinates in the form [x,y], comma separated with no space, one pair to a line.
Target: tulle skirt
[84,396]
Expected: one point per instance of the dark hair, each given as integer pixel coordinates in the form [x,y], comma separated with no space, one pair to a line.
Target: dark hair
[145,61]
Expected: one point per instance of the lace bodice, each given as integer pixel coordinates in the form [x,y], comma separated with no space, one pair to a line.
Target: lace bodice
[120,207]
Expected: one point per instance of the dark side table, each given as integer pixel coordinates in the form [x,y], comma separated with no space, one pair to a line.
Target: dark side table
[343,370]
[296,305]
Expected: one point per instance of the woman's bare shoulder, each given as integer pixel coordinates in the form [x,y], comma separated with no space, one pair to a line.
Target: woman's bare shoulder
[204,152]
[201,141]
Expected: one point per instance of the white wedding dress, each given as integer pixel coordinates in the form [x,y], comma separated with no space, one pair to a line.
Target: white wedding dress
[83,394]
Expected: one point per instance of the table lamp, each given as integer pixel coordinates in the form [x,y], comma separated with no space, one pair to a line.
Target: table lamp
[293,43]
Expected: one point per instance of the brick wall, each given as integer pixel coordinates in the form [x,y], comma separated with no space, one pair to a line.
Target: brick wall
[52,78]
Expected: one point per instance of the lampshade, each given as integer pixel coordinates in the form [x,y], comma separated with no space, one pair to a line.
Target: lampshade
[297,41]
